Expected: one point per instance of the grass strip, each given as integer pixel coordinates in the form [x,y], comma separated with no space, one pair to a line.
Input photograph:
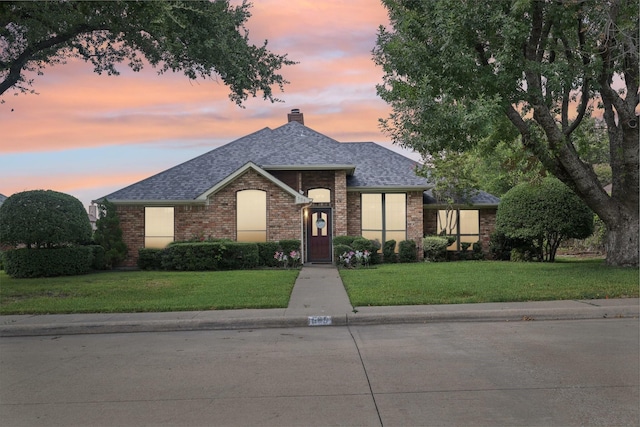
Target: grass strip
[486,281]
[147,291]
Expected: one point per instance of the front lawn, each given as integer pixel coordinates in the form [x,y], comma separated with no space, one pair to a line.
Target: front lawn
[139,291]
[486,281]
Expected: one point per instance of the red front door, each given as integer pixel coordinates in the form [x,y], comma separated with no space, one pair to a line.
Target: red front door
[319,235]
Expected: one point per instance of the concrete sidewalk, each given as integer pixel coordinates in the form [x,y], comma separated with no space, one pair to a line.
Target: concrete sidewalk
[318,299]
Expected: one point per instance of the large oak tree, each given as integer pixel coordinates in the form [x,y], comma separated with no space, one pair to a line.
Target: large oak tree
[199,38]
[455,70]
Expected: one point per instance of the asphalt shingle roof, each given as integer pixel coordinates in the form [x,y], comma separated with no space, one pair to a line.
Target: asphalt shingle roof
[292,144]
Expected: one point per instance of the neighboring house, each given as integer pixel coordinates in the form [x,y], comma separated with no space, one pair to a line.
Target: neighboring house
[286,183]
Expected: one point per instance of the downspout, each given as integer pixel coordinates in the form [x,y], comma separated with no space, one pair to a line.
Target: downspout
[302,245]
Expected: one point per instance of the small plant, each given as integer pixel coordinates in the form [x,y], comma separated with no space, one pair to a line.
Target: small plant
[354,259]
[408,251]
[389,251]
[464,253]
[292,259]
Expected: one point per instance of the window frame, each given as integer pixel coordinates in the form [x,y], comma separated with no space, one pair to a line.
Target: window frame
[147,226]
[245,231]
[384,231]
[455,246]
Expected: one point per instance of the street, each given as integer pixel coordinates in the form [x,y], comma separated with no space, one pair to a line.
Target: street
[545,373]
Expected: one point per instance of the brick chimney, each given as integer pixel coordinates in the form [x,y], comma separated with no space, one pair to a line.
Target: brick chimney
[296,116]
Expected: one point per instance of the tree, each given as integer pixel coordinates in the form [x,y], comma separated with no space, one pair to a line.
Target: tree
[108,234]
[544,213]
[43,219]
[200,38]
[455,70]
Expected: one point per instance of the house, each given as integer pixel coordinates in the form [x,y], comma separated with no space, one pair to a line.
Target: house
[288,183]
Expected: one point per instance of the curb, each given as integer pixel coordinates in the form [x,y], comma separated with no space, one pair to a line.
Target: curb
[355,319]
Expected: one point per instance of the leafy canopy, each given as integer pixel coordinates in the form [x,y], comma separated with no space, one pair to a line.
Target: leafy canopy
[200,38]
[455,71]
[43,219]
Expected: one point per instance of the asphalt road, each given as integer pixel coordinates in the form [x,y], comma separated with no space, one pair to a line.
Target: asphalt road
[581,372]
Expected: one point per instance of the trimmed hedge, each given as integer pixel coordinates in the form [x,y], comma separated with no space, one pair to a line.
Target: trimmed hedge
[407,251]
[214,255]
[389,251]
[150,259]
[65,261]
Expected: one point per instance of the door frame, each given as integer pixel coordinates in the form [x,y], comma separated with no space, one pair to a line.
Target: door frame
[309,232]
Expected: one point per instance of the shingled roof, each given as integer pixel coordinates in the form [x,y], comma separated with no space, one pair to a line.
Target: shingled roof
[291,146]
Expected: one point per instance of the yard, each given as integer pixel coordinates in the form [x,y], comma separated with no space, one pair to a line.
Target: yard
[388,284]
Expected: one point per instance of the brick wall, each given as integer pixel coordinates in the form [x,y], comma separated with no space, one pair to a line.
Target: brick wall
[218,218]
[415,219]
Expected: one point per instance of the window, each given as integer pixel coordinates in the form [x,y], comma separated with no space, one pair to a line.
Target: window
[384,217]
[158,227]
[251,216]
[464,225]
[320,195]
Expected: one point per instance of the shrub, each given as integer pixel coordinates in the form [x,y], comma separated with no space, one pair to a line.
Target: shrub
[287,246]
[108,234]
[265,253]
[43,219]
[48,262]
[389,251]
[340,249]
[97,257]
[407,251]
[362,244]
[435,248]
[344,240]
[150,259]
[200,256]
[478,254]
[544,213]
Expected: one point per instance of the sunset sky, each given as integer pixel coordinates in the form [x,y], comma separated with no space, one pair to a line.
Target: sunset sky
[88,135]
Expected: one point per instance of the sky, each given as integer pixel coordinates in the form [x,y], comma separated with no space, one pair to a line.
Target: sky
[89,135]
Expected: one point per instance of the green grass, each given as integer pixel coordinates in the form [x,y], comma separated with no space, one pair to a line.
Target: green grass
[142,291]
[485,281]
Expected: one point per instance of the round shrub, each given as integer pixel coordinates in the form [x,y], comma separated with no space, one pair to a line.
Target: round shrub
[389,251]
[545,213]
[435,248]
[43,219]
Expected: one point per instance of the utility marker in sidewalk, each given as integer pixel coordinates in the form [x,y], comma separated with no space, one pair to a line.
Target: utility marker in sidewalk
[319,320]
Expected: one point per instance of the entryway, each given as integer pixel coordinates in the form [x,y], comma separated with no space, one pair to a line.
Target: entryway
[319,235]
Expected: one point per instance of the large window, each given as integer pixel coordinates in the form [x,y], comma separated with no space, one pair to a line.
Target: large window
[384,217]
[158,227]
[251,206]
[464,225]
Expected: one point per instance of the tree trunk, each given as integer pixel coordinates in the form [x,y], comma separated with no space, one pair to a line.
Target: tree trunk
[622,241]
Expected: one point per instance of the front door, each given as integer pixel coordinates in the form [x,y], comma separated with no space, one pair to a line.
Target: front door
[319,235]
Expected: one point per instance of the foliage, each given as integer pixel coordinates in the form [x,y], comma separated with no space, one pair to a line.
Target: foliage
[288,260]
[354,259]
[545,214]
[389,251]
[147,291]
[500,245]
[288,246]
[199,38]
[435,248]
[150,259]
[487,281]
[344,240]
[456,73]
[478,253]
[43,219]
[362,244]
[407,251]
[97,257]
[210,256]
[108,234]
[265,253]
[49,262]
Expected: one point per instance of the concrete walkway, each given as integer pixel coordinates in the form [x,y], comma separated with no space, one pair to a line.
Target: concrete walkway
[318,299]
